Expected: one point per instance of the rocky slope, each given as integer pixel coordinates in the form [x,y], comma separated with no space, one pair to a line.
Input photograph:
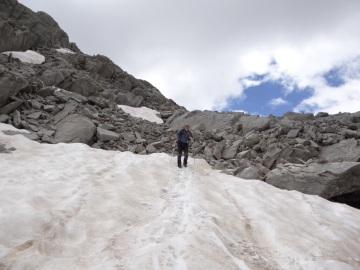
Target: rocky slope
[73,97]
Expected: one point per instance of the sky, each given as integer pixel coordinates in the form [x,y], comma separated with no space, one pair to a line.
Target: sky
[262,57]
[69,206]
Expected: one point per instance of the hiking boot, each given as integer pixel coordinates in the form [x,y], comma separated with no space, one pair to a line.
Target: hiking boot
[185,165]
[179,165]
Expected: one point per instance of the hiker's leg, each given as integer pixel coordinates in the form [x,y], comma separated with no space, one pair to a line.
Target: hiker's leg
[179,150]
[186,153]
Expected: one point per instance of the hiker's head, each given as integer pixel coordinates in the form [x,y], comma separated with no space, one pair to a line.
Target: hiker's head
[187,126]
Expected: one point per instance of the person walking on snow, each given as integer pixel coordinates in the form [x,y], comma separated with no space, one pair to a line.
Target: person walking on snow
[184,136]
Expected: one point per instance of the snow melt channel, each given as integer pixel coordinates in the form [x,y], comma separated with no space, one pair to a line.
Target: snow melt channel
[68,206]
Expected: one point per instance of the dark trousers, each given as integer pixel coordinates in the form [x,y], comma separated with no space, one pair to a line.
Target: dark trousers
[180,148]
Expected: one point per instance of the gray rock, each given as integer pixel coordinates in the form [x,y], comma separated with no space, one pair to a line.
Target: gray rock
[249,173]
[35,115]
[150,149]
[11,83]
[69,108]
[210,120]
[73,128]
[16,119]
[293,133]
[325,180]
[9,108]
[64,96]
[46,91]
[251,139]
[36,104]
[23,29]
[219,149]
[128,99]
[52,77]
[84,86]
[346,150]
[106,135]
[4,118]
[230,153]
[208,154]
[254,122]
[299,116]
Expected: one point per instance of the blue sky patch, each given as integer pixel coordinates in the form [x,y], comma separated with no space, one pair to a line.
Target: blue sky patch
[334,77]
[257,99]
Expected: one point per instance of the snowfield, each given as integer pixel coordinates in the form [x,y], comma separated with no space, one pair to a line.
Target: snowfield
[68,206]
[28,56]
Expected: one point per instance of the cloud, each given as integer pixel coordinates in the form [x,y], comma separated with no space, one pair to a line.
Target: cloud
[200,53]
[275,102]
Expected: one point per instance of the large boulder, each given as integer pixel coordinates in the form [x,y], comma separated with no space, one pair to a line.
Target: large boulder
[254,122]
[75,128]
[210,120]
[106,135]
[84,86]
[346,150]
[11,83]
[299,116]
[326,180]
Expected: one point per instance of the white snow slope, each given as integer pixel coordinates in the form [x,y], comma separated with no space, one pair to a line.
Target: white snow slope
[68,206]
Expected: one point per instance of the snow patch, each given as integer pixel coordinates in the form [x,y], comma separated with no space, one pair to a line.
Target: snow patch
[142,112]
[65,50]
[28,56]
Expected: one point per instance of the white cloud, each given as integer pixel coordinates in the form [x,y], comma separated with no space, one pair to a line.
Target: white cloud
[196,52]
[277,102]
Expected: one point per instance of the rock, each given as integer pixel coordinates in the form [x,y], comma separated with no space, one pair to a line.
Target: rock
[219,149]
[65,96]
[293,133]
[321,114]
[22,29]
[254,123]
[210,120]
[9,108]
[35,115]
[249,173]
[270,156]
[345,150]
[11,83]
[49,108]
[128,99]
[150,149]
[4,118]
[69,108]
[52,77]
[73,128]
[299,116]
[208,154]
[106,135]
[36,104]
[46,91]
[325,180]
[84,86]
[16,119]
[251,139]
[230,153]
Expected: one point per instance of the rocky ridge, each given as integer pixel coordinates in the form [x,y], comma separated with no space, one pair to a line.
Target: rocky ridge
[73,97]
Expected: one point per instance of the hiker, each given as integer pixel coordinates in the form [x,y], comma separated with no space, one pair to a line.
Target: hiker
[183,136]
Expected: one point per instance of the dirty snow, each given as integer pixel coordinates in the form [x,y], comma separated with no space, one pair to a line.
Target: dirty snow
[142,112]
[28,56]
[65,50]
[68,206]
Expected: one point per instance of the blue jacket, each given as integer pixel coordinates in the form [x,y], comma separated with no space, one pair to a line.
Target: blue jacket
[184,136]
